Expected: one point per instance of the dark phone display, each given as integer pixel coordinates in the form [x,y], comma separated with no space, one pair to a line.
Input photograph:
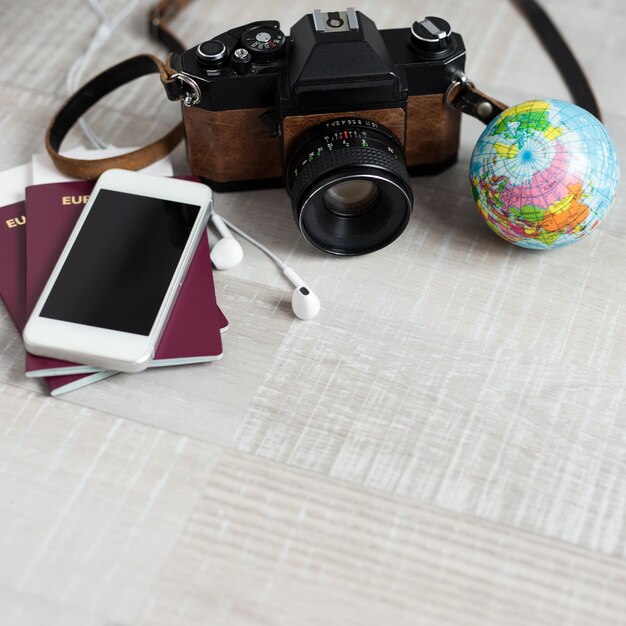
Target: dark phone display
[122,262]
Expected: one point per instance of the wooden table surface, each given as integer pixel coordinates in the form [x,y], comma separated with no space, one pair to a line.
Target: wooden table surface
[444,444]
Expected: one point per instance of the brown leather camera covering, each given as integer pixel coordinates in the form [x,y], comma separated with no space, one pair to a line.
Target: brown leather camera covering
[227,146]
[433,129]
[231,145]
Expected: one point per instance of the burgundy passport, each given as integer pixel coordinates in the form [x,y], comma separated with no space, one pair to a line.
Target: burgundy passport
[13,288]
[12,261]
[192,333]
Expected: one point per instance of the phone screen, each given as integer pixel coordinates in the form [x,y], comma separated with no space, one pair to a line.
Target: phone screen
[122,262]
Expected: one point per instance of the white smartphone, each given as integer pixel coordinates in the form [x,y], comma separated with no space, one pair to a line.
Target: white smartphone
[111,292]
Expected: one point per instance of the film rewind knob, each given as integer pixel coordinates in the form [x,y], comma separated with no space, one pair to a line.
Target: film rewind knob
[431,34]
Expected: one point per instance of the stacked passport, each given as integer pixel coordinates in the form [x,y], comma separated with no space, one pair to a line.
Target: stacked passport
[32,235]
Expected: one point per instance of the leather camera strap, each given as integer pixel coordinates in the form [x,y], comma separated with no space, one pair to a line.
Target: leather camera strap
[88,95]
[462,94]
[159,18]
[561,55]
[109,80]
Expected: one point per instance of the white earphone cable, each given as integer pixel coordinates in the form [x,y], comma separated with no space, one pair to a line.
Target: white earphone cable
[304,303]
[281,264]
[102,34]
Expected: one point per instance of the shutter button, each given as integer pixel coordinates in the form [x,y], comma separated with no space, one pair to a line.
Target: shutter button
[212,53]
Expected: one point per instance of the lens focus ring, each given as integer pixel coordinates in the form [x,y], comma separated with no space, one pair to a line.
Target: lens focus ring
[345,157]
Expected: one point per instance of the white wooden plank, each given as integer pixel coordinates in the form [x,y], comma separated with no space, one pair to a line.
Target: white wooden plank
[109,522]
[268,545]
[90,508]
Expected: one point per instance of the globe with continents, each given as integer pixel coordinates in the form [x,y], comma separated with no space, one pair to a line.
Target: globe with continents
[544,174]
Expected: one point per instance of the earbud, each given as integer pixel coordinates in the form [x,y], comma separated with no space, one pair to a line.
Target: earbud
[304,302]
[227,252]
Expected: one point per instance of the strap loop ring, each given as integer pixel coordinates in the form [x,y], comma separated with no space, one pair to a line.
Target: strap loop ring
[190,98]
[460,81]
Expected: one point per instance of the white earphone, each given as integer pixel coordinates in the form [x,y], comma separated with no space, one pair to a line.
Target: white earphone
[227,253]
[305,304]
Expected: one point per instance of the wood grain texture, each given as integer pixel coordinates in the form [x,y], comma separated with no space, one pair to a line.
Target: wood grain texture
[306,550]
[91,505]
[112,522]
[444,444]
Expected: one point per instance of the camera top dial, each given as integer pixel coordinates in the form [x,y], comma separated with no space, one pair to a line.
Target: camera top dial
[432,38]
[264,43]
[212,53]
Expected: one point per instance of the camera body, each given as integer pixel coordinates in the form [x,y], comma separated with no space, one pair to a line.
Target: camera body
[261,94]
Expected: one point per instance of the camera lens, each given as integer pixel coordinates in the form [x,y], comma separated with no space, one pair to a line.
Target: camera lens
[352,197]
[350,190]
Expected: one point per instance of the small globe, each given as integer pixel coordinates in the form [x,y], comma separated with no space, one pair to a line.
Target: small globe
[544,174]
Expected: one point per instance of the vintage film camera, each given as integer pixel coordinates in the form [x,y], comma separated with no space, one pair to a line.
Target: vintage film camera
[339,112]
